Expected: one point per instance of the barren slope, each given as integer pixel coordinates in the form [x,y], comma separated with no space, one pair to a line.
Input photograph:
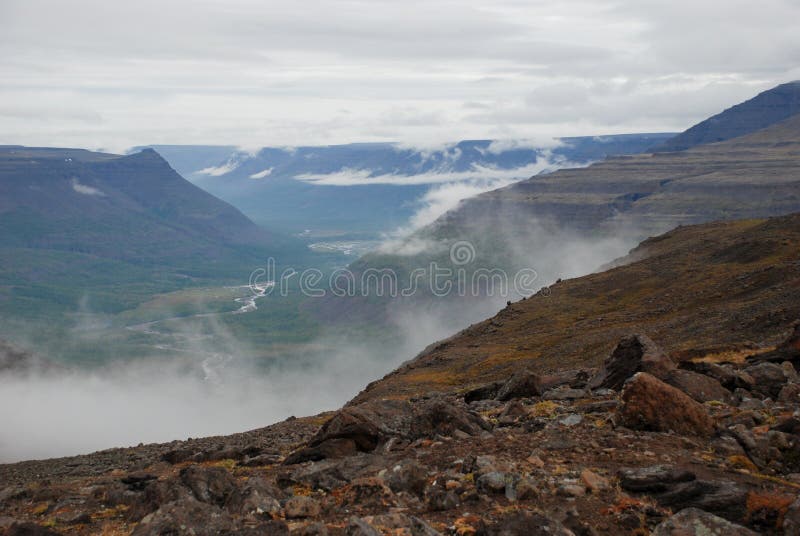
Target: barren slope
[718,284]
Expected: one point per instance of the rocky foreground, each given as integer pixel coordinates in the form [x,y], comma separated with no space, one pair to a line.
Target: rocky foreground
[643,444]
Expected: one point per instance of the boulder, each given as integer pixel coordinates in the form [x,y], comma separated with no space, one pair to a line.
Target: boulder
[491,483]
[258,498]
[522,384]
[654,479]
[484,392]
[698,386]
[364,427]
[156,494]
[636,353]
[408,476]
[185,516]
[721,497]
[650,404]
[214,485]
[696,522]
[441,417]
[769,378]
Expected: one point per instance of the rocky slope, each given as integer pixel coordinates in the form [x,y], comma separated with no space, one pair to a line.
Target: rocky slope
[659,397]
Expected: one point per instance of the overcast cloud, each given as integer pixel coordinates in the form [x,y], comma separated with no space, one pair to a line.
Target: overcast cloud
[112,74]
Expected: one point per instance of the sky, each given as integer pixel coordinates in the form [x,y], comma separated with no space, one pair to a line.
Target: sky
[108,74]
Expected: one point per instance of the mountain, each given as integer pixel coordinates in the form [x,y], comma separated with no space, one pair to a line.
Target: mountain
[658,397]
[765,109]
[73,221]
[365,189]
[624,198]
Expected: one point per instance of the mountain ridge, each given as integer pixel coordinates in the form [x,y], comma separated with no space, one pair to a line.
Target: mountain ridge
[765,109]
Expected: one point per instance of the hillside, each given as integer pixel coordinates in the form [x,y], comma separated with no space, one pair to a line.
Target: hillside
[74,222]
[716,285]
[765,109]
[550,418]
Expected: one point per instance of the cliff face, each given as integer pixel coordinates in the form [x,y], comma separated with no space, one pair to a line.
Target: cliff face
[765,109]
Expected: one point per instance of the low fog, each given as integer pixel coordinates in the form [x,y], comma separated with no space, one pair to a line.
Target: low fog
[219,388]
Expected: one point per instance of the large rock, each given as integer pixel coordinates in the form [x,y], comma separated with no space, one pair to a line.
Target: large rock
[408,476]
[522,384]
[654,479]
[721,497]
[185,517]
[366,426]
[698,386]
[650,404]
[636,353]
[258,498]
[696,522]
[214,485]
[769,378]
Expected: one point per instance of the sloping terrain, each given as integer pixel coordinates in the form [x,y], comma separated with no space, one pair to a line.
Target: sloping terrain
[765,109]
[73,221]
[692,289]
[692,430]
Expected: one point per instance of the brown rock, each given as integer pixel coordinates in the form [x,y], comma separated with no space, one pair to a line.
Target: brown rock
[698,386]
[522,384]
[636,353]
[594,482]
[650,404]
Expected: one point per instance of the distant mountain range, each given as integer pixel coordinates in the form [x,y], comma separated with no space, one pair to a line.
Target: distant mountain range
[364,189]
[76,223]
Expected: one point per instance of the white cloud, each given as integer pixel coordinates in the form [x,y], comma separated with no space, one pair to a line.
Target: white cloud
[261,174]
[501,146]
[361,177]
[321,72]
[86,190]
[219,171]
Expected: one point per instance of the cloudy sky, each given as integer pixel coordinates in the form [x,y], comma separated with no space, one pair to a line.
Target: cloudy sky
[112,74]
